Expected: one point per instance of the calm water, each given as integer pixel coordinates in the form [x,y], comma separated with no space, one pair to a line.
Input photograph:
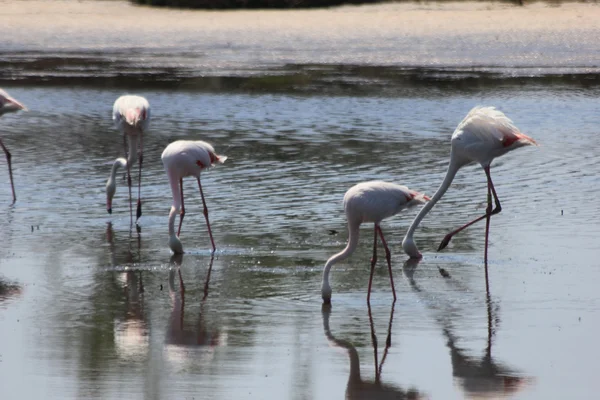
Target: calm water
[91,309]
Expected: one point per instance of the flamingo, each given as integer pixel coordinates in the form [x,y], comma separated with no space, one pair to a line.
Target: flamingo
[370,201]
[132,117]
[484,134]
[8,105]
[187,158]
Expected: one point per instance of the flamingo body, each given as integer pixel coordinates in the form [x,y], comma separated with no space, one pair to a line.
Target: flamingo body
[484,134]
[371,201]
[181,159]
[131,115]
[7,105]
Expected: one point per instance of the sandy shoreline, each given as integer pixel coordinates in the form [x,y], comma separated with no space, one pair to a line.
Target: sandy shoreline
[62,19]
[456,35]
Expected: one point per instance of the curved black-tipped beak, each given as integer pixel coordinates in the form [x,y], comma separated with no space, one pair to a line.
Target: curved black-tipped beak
[109,210]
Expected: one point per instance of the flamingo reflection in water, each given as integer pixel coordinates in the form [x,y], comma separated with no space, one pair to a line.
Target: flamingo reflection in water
[359,388]
[180,339]
[478,378]
[130,327]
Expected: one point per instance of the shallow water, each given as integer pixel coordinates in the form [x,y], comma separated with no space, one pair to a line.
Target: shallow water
[91,309]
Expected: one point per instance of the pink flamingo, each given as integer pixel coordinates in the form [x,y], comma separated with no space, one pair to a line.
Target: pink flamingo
[483,135]
[370,201]
[8,105]
[132,117]
[187,158]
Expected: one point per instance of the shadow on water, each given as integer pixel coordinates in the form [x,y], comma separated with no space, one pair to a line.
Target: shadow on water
[357,387]
[481,377]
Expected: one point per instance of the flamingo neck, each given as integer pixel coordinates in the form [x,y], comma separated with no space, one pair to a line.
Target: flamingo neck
[174,242]
[408,244]
[119,163]
[111,184]
[133,148]
[350,247]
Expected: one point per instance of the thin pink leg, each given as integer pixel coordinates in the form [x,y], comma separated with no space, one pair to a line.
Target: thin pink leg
[487,232]
[182,212]
[373,262]
[10,174]
[206,216]
[128,179]
[138,212]
[388,257]
[496,210]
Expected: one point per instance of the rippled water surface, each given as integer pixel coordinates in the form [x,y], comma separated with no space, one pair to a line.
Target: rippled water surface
[92,309]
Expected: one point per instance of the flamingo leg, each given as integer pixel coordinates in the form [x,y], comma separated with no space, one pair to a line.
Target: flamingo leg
[128,178]
[488,212]
[138,213]
[10,174]
[182,212]
[388,257]
[206,216]
[487,231]
[373,262]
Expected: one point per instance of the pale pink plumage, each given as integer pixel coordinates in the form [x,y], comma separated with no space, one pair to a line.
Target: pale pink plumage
[186,158]
[484,134]
[9,104]
[371,201]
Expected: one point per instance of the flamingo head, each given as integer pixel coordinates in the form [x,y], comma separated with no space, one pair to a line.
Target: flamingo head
[111,188]
[410,247]
[326,293]
[175,244]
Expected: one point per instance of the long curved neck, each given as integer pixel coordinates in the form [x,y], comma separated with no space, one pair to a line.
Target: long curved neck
[350,247]
[133,148]
[176,191]
[119,163]
[122,162]
[453,167]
